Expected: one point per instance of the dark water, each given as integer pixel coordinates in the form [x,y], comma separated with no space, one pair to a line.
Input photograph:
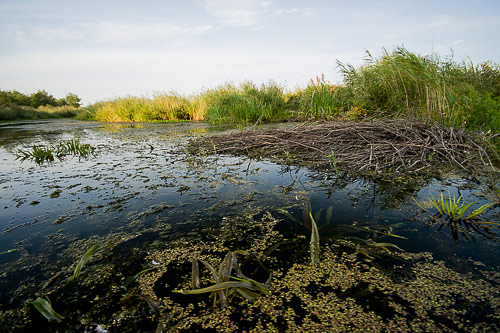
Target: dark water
[142,177]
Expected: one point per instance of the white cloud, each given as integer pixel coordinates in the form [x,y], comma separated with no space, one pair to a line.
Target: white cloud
[441,22]
[130,33]
[308,12]
[240,13]
[109,33]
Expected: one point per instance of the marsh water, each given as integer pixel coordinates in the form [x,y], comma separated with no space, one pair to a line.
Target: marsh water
[142,181]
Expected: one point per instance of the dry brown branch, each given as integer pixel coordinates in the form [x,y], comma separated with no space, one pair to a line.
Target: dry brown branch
[405,145]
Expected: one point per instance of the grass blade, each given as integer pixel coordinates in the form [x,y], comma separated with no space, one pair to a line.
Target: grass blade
[195,275]
[479,210]
[85,258]
[219,287]
[314,242]
[45,308]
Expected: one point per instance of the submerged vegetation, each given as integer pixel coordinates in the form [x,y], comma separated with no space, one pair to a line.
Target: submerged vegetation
[357,284]
[45,308]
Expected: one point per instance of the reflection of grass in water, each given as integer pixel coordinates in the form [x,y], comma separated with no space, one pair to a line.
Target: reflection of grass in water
[42,154]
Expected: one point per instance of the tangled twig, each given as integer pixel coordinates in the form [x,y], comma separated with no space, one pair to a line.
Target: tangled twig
[405,145]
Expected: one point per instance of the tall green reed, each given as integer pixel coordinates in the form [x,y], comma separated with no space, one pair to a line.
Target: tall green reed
[245,103]
[403,84]
[161,107]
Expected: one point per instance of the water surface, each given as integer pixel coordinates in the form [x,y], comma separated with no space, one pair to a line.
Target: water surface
[142,182]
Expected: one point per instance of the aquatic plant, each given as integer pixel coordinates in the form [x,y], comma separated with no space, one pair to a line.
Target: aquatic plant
[38,154]
[9,251]
[455,213]
[45,308]
[84,259]
[320,99]
[333,160]
[453,208]
[42,154]
[161,107]
[401,83]
[244,104]
[225,284]
[314,242]
[74,147]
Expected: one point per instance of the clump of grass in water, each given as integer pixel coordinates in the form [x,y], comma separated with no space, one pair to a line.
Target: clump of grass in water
[38,154]
[454,208]
[74,147]
[42,154]
[457,215]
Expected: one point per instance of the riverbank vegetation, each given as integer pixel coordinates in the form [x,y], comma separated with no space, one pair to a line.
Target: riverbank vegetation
[398,84]
[15,105]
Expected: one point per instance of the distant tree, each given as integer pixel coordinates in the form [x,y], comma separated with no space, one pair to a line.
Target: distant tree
[73,100]
[42,98]
[61,102]
[14,97]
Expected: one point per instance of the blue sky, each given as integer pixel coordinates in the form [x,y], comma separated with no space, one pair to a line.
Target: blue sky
[106,49]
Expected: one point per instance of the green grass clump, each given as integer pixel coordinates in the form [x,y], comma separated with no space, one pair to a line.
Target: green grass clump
[320,99]
[245,104]
[454,208]
[225,283]
[161,107]
[41,154]
[404,84]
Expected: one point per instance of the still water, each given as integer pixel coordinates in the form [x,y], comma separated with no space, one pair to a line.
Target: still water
[143,179]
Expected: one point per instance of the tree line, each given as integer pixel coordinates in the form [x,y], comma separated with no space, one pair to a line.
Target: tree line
[38,99]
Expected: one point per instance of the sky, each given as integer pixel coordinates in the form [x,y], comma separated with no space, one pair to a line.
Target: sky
[103,50]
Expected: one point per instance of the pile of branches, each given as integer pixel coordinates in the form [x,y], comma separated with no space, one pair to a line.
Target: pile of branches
[404,145]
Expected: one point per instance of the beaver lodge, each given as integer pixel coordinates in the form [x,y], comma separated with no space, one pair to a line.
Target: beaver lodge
[408,146]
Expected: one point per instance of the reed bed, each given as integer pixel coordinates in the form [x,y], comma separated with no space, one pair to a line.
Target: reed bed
[397,145]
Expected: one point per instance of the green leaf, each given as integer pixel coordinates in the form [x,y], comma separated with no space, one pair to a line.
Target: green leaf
[9,251]
[85,258]
[220,286]
[195,274]
[314,242]
[45,308]
[479,210]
